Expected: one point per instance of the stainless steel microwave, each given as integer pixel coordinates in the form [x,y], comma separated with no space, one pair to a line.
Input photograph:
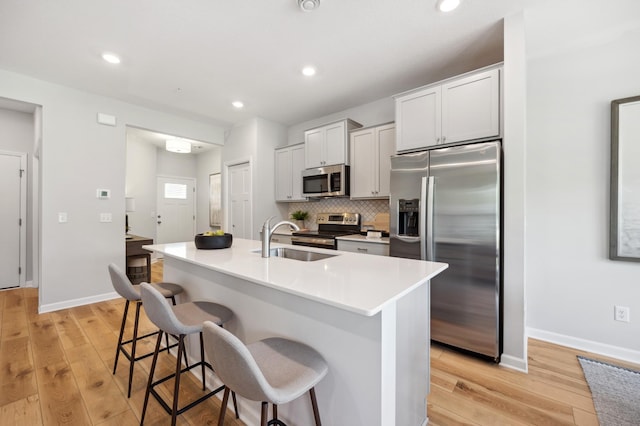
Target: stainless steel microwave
[328,181]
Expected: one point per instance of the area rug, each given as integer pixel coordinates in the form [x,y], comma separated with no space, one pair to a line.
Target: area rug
[615,391]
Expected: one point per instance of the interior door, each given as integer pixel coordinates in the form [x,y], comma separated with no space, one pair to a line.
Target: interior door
[176,219]
[240,200]
[12,250]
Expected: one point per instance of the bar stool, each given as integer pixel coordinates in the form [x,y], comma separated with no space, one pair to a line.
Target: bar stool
[180,320]
[131,292]
[273,370]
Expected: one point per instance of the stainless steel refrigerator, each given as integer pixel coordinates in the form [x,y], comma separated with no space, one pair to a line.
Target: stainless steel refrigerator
[445,206]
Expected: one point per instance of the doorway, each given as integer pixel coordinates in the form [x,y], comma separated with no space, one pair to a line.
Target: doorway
[176,218]
[13,223]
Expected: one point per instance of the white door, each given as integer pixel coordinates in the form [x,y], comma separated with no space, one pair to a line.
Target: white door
[240,200]
[12,217]
[176,220]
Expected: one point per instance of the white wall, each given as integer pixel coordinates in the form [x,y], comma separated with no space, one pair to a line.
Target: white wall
[577,65]
[254,140]
[79,156]
[371,114]
[17,135]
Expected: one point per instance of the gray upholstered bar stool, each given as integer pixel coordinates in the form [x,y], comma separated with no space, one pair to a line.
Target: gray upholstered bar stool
[131,293]
[180,320]
[273,370]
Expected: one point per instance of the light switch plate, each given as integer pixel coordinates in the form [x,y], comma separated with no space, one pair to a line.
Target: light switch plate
[62,217]
[105,217]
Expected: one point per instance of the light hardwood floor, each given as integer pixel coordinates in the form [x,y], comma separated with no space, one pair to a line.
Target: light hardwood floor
[56,368]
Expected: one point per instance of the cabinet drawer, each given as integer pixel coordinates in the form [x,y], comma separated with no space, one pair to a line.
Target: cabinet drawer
[364,247]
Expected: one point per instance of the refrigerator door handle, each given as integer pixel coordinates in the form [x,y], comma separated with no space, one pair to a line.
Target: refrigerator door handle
[423,218]
[430,184]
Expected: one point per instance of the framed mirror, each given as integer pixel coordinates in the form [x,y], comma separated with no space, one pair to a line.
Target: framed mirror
[215,207]
[624,238]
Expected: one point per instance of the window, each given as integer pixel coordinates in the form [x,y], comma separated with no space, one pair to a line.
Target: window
[175,191]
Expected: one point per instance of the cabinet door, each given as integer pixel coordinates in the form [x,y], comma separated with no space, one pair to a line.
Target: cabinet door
[363,163]
[471,107]
[386,136]
[418,122]
[335,144]
[283,174]
[297,166]
[314,147]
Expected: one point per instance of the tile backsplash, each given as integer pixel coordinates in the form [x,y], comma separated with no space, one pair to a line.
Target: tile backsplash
[367,208]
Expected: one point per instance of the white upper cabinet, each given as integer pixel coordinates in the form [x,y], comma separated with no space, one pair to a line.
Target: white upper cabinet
[288,174]
[329,144]
[371,149]
[418,119]
[459,109]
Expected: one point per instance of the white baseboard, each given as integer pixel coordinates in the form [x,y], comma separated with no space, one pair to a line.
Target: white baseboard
[604,349]
[514,363]
[30,284]
[77,302]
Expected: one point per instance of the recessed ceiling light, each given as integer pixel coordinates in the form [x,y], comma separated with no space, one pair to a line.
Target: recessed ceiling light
[309,71]
[111,58]
[308,5]
[237,104]
[447,5]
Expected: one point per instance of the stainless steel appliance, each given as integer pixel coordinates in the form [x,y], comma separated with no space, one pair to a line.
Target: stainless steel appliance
[445,206]
[328,181]
[330,226]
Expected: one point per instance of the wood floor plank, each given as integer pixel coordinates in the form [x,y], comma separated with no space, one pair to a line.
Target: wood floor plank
[17,373]
[69,331]
[98,389]
[47,349]
[23,412]
[584,418]
[60,398]
[469,409]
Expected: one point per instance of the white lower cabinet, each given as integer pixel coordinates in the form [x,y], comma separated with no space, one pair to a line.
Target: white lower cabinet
[364,247]
[289,164]
[371,150]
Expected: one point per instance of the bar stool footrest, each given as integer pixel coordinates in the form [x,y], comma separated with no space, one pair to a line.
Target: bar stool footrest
[164,404]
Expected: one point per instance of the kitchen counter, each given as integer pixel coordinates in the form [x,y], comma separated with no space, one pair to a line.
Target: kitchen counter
[367,315]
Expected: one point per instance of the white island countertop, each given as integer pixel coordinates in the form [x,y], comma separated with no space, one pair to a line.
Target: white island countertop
[357,283]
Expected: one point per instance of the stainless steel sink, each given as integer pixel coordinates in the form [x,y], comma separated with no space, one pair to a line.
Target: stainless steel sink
[302,255]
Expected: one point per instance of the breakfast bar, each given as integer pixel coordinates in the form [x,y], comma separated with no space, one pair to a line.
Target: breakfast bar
[367,315]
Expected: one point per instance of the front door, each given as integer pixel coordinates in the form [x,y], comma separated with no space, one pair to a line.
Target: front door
[12,219]
[176,220]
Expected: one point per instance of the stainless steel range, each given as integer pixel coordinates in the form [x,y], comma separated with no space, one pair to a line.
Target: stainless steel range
[330,226]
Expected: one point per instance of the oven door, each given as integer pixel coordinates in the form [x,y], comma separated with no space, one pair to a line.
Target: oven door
[318,242]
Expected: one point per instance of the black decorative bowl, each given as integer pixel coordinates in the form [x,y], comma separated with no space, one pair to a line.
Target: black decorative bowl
[208,242]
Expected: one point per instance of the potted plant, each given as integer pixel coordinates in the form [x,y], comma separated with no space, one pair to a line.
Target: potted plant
[300,216]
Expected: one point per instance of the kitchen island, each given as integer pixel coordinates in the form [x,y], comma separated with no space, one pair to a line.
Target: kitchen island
[367,315]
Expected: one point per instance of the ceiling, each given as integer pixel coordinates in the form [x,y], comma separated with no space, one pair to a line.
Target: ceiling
[194,57]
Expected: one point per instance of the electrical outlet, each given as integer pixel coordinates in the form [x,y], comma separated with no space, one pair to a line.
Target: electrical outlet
[621,313]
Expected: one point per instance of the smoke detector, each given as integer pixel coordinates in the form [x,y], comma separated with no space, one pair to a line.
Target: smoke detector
[308,5]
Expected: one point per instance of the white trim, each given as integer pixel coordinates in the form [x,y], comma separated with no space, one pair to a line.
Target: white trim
[77,302]
[604,349]
[514,363]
